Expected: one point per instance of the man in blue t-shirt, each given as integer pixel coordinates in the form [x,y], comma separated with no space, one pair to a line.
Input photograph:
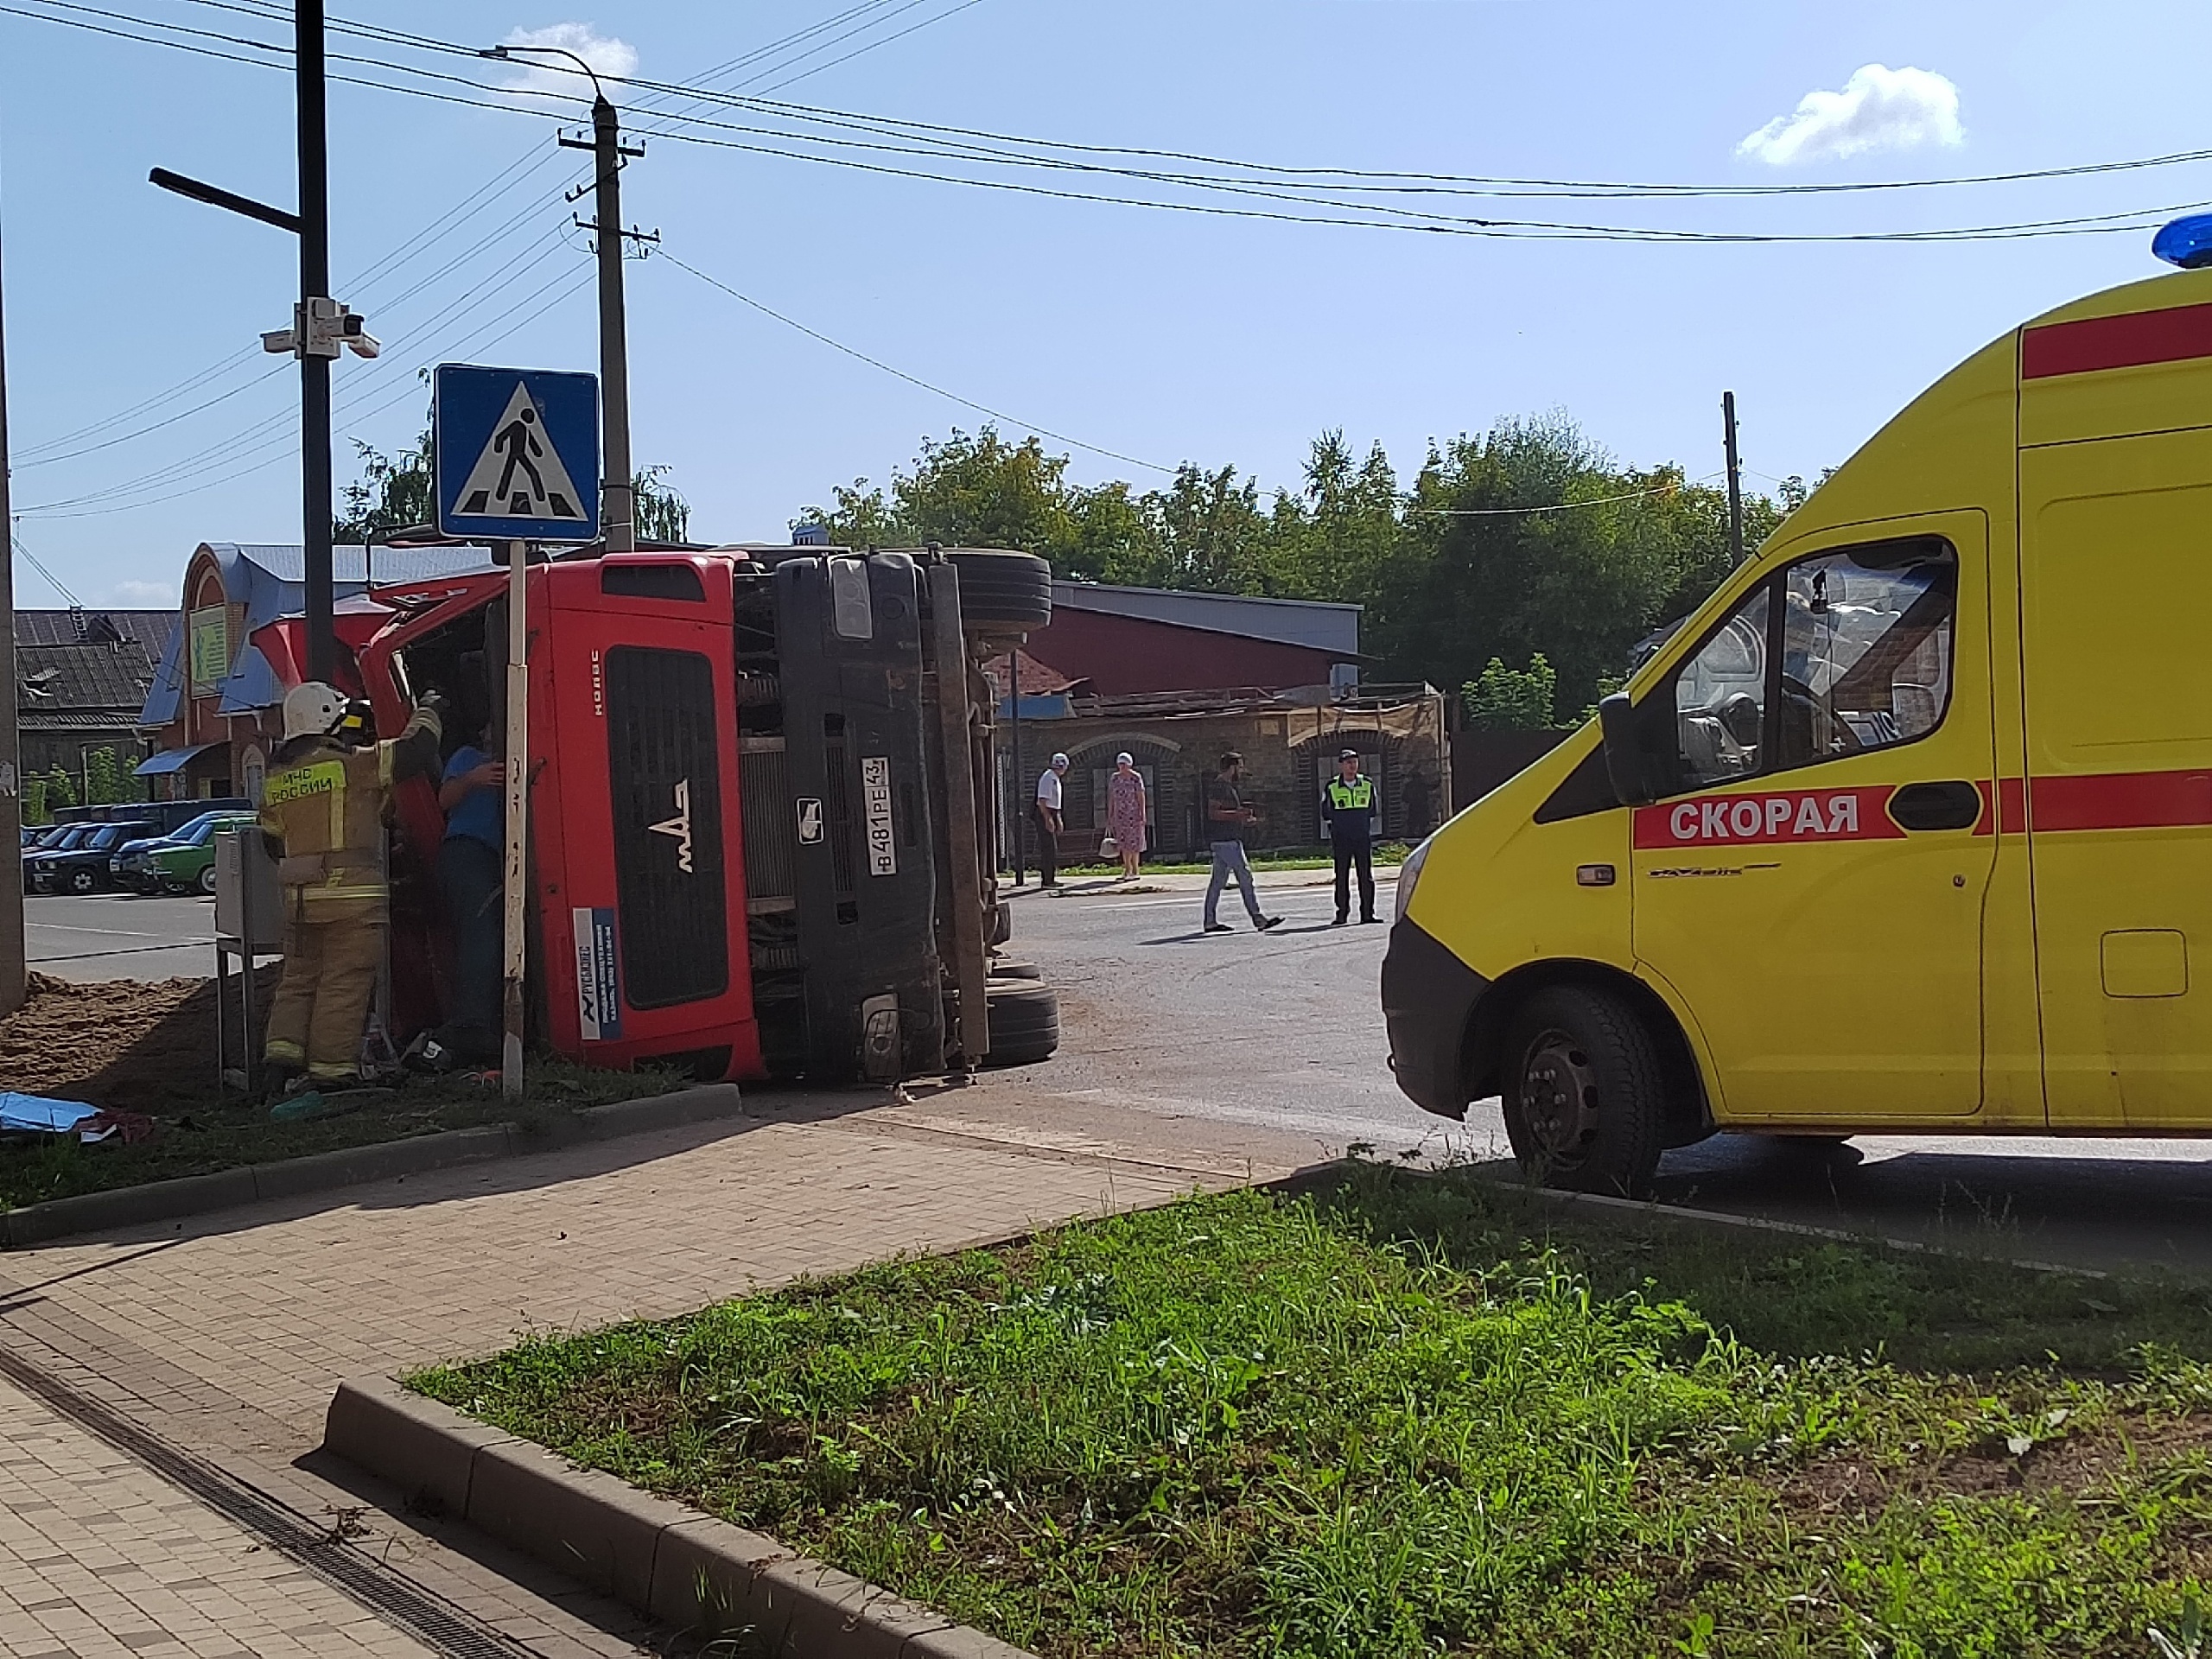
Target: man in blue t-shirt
[471,877]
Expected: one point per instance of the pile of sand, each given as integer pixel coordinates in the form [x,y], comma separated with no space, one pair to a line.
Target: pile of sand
[124,1044]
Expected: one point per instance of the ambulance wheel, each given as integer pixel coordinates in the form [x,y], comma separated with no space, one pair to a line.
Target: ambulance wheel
[1585,1094]
[1025,1022]
[1002,589]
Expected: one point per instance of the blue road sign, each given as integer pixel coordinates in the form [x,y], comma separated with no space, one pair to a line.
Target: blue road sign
[516,454]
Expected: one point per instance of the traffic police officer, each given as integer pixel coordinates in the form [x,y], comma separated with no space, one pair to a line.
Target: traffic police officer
[322,809]
[1347,809]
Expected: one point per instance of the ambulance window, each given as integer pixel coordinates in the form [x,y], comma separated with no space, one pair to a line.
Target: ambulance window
[1867,643]
[1721,699]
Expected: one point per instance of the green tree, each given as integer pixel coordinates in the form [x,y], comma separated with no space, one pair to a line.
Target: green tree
[34,808]
[61,788]
[1512,699]
[106,783]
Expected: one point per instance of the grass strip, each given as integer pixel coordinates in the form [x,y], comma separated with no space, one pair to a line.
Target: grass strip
[220,1132]
[1422,1415]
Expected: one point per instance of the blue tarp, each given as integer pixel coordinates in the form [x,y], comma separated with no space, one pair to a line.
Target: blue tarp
[35,1112]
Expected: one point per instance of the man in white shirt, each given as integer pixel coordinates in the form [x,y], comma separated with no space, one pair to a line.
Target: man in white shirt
[1047,811]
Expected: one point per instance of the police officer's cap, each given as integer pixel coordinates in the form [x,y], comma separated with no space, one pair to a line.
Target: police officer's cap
[1347,754]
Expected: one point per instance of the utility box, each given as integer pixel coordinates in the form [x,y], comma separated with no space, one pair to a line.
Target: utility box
[246,892]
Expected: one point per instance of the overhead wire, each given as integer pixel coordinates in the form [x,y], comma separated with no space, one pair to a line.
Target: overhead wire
[1522,230]
[911,379]
[39,565]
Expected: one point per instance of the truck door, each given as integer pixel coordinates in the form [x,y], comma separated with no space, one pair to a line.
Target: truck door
[2116,589]
[1811,889]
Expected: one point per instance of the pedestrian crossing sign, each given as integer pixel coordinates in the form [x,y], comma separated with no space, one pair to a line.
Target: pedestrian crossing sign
[516,454]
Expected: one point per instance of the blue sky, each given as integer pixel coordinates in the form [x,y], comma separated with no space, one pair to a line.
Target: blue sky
[1162,335]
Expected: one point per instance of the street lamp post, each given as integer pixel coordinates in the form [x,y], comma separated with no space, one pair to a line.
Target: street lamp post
[618,504]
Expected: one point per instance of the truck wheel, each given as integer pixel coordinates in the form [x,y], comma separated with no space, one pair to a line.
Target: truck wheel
[1585,1096]
[1014,968]
[207,882]
[1025,1022]
[1001,589]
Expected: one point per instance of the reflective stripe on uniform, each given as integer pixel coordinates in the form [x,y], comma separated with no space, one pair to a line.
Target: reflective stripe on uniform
[1356,797]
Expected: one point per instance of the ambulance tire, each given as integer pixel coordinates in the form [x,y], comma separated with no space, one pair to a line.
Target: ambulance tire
[1586,1093]
[1002,590]
[1025,1022]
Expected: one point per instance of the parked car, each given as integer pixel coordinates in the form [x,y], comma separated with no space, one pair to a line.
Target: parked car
[84,866]
[53,838]
[183,862]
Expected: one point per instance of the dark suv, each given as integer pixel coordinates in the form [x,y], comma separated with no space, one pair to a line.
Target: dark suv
[84,864]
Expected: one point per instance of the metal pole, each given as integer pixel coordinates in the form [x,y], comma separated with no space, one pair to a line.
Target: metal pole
[1020,802]
[517,734]
[11,848]
[1735,480]
[314,370]
[618,506]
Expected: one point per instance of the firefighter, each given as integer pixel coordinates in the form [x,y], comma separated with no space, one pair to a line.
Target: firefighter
[1347,811]
[322,810]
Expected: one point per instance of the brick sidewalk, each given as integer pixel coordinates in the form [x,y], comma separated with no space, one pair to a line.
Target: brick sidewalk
[225,1336]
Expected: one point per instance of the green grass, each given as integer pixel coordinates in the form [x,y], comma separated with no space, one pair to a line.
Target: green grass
[1388,853]
[226,1132]
[1421,1415]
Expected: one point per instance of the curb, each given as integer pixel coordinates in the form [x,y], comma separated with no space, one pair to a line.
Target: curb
[683,1568]
[320,1172]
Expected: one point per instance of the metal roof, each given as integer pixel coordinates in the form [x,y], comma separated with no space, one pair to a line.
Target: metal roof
[52,678]
[151,629]
[1318,624]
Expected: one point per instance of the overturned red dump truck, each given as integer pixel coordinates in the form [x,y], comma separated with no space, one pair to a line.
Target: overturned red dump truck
[763,803]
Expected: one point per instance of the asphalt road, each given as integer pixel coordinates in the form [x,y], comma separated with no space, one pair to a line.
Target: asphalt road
[119,936]
[1215,1051]
[1273,1043]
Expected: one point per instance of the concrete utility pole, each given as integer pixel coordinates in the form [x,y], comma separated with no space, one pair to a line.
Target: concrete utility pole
[321,326]
[618,514]
[11,848]
[315,368]
[1735,480]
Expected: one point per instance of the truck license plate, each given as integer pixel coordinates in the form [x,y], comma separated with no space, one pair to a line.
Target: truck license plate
[875,793]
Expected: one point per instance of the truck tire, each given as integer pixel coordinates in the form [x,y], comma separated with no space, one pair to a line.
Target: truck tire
[1025,1022]
[1014,968]
[1002,590]
[1585,1094]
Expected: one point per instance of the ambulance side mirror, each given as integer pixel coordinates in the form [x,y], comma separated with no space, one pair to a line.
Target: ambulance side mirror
[1626,768]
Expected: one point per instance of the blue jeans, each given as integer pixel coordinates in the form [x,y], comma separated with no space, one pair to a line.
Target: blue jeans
[1229,860]
[474,879]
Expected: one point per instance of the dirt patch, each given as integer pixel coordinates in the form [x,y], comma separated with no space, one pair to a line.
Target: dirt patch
[127,1044]
[2077,1465]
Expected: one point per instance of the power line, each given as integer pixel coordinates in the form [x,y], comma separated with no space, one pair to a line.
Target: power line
[32,559]
[2131,222]
[911,379]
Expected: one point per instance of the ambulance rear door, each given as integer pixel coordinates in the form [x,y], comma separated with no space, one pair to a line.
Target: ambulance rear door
[2116,595]
[1811,887]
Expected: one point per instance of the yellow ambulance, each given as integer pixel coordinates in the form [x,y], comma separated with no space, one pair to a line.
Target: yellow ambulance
[1908,828]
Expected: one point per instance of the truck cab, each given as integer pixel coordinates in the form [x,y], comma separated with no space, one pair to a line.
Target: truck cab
[760,803]
[1907,829]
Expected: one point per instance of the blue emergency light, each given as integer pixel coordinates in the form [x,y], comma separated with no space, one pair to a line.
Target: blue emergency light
[2186,242]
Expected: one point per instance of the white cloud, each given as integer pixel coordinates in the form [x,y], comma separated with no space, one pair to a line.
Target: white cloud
[604,52]
[142,595]
[1880,108]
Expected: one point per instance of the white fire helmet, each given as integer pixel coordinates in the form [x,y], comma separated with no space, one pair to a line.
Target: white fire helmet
[313,710]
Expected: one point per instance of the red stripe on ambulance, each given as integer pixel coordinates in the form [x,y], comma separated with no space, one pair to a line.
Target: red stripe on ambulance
[1795,815]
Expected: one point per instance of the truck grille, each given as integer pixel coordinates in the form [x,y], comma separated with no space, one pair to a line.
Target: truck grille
[771,822]
[665,787]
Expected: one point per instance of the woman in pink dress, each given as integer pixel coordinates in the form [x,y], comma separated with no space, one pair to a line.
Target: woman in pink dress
[1125,812]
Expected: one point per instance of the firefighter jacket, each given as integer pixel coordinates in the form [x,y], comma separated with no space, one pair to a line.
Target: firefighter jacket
[1346,810]
[324,806]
